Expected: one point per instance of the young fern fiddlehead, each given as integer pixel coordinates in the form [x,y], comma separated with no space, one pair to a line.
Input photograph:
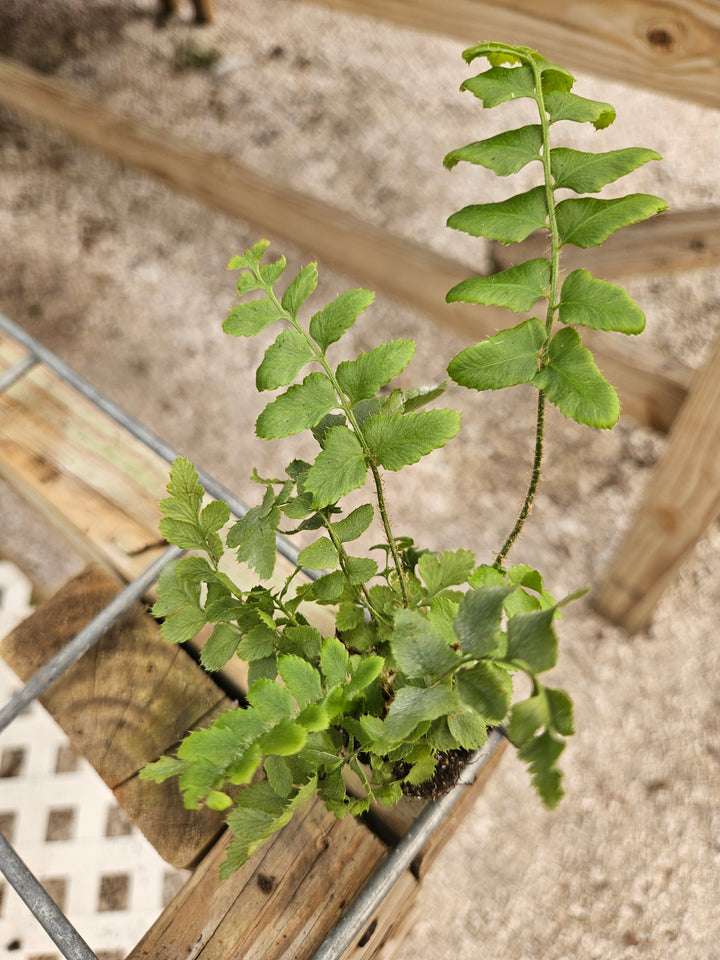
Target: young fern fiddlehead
[558,364]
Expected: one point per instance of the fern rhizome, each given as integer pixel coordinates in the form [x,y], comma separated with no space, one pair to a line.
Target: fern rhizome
[426,645]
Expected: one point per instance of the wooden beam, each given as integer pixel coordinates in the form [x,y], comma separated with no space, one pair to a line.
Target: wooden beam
[123,704]
[401,269]
[672,47]
[687,240]
[682,499]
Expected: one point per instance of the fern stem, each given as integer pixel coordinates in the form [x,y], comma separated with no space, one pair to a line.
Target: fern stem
[532,487]
[319,357]
[549,317]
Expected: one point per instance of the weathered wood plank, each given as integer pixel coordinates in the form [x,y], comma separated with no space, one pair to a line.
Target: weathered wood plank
[682,499]
[124,703]
[399,268]
[86,475]
[673,47]
[280,905]
[688,240]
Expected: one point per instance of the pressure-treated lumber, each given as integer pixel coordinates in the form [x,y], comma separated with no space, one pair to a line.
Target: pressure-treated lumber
[682,499]
[672,47]
[87,476]
[127,701]
[285,900]
[649,392]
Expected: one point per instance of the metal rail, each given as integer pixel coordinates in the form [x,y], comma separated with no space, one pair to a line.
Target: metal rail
[45,910]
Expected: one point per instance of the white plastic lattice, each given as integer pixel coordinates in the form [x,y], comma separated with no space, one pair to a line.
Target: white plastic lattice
[66,825]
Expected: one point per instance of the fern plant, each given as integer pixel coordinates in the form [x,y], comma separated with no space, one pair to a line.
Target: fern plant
[426,645]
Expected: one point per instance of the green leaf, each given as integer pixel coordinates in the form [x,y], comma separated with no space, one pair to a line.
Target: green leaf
[254,535]
[363,377]
[467,728]
[542,753]
[318,555]
[332,321]
[500,84]
[414,705]
[532,640]
[301,406]
[162,769]
[272,701]
[561,711]
[279,776]
[220,647]
[418,649]
[598,304]
[284,739]
[271,272]
[258,643]
[215,515]
[487,688]
[283,360]
[575,385]
[505,154]
[517,288]
[301,679]
[450,568]
[184,535]
[399,440]
[334,661]
[251,258]
[508,358]
[364,671]
[360,569]
[568,106]
[314,718]
[526,717]
[587,221]
[184,624]
[590,172]
[339,468]
[479,618]
[251,318]
[328,588]
[414,399]
[354,524]
[508,221]
[300,288]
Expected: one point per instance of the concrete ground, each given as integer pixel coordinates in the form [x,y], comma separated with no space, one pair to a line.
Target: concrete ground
[126,281]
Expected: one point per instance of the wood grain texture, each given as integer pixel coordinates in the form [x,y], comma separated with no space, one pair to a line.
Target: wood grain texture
[372,256]
[128,700]
[682,499]
[688,240]
[672,46]
[279,906]
[86,475]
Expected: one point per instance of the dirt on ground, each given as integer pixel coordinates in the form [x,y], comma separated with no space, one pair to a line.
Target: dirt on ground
[126,281]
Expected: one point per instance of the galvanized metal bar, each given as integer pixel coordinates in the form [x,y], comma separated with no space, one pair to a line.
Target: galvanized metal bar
[42,906]
[354,922]
[140,432]
[17,371]
[85,639]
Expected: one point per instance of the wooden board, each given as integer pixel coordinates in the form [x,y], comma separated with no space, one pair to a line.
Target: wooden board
[280,905]
[399,268]
[686,240]
[672,47]
[84,474]
[682,499]
[124,703]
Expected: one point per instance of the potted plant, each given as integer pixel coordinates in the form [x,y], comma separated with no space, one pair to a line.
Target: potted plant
[424,647]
